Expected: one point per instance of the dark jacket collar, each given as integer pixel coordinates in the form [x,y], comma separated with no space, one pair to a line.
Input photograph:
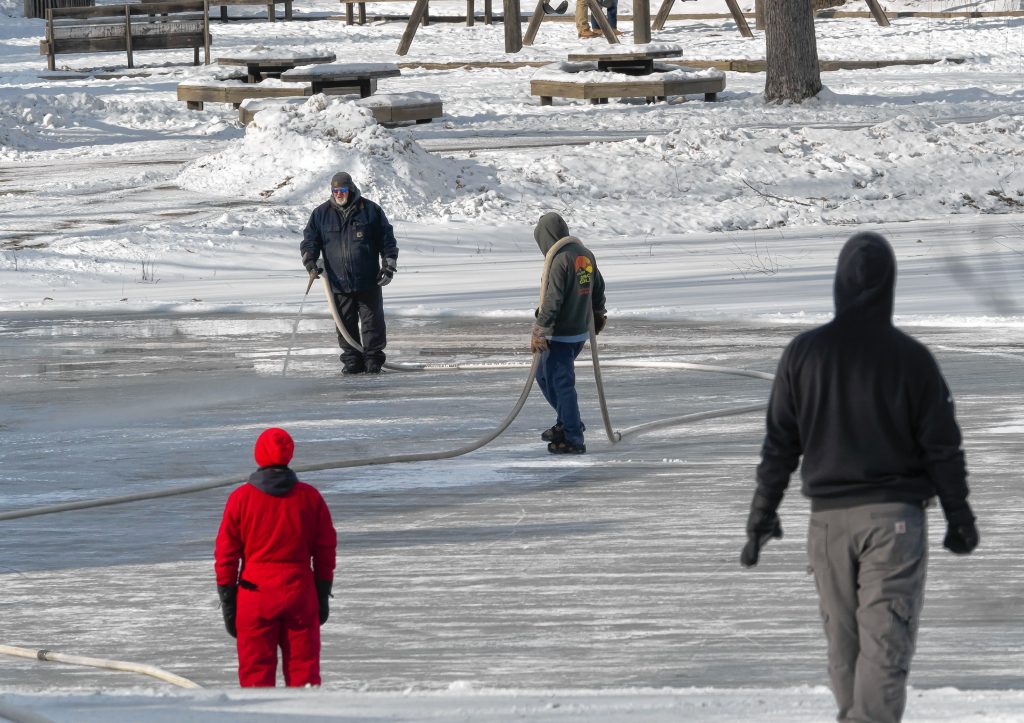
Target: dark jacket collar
[276,481]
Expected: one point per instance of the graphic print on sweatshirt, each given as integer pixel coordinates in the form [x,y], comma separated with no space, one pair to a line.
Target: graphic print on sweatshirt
[584,275]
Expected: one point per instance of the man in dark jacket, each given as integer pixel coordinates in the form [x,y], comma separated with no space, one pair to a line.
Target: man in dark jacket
[275,556]
[360,256]
[573,291]
[867,408]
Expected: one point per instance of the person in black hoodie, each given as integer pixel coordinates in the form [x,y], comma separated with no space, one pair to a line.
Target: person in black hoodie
[360,256]
[867,408]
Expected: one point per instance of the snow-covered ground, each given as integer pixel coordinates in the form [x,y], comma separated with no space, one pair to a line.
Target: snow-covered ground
[149,286]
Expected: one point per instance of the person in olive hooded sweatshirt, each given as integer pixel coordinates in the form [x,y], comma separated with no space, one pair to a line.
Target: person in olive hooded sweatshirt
[574,291]
[360,256]
[867,408]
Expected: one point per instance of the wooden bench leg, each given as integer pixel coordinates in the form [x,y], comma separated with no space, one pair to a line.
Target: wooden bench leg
[545,100]
[423,120]
[362,13]
[271,12]
[288,10]
[223,13]
[650,99]
[194,104]
[710,97]
[195,55]
[349,18]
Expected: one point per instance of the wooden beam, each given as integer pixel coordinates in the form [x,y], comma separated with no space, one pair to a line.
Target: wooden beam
[598,12]
[741,22]
[877,13]
[535,20]
[418,11]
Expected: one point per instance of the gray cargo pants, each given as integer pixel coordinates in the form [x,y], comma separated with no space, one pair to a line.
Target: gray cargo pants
[869,567]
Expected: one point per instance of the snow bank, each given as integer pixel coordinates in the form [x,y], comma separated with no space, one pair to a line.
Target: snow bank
[289,153]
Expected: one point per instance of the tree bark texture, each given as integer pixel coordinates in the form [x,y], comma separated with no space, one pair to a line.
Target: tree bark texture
[792,71]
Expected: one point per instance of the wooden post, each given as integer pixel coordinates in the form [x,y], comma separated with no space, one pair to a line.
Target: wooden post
[51,60]
[206,31]
[535,20]
[128,34]
[513,30]
[469,13]
[418,12]
[271,11]
[598,12]
[641,21]
[759,14]
[737,15]
[662,16]
[488,13]
[877,13]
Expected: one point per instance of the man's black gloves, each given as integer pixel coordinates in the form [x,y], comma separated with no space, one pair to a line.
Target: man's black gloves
[762,525]
[311,266]
[229,606]
[599,321]
[387,272]
[323,595]
[961,533]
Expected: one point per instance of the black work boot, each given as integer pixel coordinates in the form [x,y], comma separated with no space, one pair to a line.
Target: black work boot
[566,447]
[553,434]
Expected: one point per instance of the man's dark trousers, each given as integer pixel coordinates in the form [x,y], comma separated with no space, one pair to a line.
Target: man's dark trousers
[362,309]
[556,377]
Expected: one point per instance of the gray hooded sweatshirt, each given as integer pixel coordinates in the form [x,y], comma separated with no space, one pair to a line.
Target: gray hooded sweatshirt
[574,284]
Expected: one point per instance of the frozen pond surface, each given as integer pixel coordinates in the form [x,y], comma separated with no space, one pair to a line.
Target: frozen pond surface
[505,568]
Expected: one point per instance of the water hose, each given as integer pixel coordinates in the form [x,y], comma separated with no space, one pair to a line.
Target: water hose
[144,669]
[613,436]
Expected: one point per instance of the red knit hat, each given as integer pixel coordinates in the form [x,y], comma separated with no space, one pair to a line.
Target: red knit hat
[274,448]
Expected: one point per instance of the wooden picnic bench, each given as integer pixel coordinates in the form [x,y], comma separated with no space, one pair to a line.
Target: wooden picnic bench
[270,5]
[263,62]
[128,27]
[586,82]
[387,108]
[197,92]
[327,77]
[470,11]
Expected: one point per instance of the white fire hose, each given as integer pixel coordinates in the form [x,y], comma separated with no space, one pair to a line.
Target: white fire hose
[144,669]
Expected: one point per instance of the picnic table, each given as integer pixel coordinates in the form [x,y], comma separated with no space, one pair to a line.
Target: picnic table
[269,63]
[342,75]
[628,59]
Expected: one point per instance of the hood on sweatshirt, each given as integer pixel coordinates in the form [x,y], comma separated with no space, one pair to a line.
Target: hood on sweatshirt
[550,230]
[865,283]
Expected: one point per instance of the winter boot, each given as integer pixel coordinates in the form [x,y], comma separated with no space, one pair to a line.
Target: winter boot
[373,367]
[353,368]
[567,447]
[554,434]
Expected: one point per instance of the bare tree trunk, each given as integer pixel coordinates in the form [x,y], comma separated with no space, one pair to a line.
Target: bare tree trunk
[792,53]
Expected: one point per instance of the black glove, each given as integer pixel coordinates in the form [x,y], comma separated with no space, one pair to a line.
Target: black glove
[961,533]
[323,595]
[229,606]
[387,272]
[311,266]
[762,525]
[599,321]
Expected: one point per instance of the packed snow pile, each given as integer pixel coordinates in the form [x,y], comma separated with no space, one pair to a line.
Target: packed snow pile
[39,122]
[708,179]
[289,154]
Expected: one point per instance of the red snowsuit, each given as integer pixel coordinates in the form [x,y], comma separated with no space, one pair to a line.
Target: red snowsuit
[274,526]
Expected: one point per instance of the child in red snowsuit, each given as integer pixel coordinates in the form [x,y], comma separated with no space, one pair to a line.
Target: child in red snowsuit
[271,595]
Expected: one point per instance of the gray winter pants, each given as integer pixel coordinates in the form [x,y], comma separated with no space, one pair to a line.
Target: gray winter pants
[869,566]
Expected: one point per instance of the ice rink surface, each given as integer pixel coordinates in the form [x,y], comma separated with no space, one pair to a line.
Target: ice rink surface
[505,568]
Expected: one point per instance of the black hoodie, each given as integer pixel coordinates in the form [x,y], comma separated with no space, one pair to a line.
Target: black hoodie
[864,403]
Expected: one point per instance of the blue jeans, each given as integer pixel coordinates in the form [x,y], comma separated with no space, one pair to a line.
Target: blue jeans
[613,16]
[556,377]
